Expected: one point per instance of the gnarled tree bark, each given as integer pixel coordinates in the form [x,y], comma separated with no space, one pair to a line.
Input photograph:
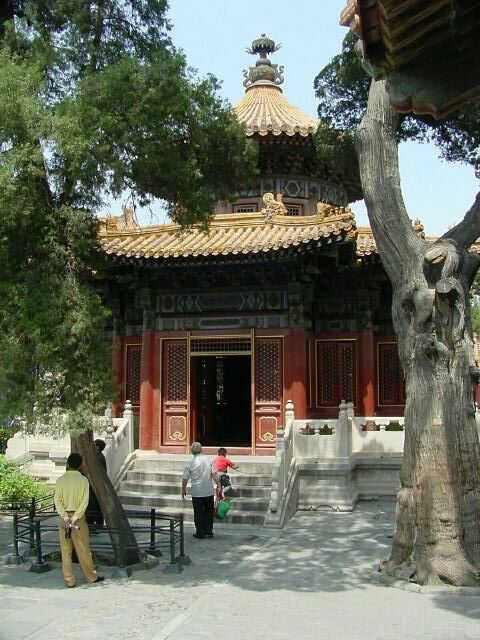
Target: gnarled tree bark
[437,536]
[115,517]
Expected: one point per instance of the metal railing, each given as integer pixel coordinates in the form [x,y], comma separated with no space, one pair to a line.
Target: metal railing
[160,531]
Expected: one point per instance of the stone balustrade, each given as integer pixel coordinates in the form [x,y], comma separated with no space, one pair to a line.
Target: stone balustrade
[49,455]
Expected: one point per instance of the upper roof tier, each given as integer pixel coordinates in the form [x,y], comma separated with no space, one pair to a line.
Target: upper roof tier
[264,109]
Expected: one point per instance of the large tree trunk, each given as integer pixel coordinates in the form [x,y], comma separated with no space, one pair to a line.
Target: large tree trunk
[437,536]
[112,509]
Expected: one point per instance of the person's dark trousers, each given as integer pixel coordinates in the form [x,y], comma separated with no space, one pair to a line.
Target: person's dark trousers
[203,515]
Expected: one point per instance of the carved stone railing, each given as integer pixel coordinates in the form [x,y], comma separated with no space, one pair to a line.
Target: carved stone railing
[377,435]
[284,473]
[120,447]
[316,439]
[47,455]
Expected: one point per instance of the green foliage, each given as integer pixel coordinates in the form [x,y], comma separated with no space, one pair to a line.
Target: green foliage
[5,434]
[94,101]
[17,487]
[475,316]
[394,426]
[342,89]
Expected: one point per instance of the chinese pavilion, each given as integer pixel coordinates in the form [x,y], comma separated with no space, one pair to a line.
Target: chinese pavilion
[283,298]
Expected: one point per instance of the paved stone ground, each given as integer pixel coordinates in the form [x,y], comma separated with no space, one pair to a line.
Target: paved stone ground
[312,580]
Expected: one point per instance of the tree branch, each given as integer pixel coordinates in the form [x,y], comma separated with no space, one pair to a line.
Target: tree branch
[376,145]
[467,231]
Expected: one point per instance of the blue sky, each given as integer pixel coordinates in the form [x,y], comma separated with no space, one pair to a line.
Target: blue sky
[214,35]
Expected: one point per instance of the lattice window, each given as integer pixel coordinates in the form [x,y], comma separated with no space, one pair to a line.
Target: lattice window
[336,372]
[205,346]
[326,373]
[176,370]
[346,370]
[245,208]
[294,209]
[391,384]
[268,370]
[132,373]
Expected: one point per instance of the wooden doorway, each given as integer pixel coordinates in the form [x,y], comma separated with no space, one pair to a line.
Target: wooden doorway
[222,412]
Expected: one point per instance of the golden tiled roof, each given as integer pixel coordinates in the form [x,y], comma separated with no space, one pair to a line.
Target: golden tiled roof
[366,245]
[264,109]
[228,235]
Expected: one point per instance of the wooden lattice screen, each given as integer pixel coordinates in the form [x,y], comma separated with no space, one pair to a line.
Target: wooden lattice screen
[391,386]
[336,372]
[268,370]
[132,373]
[176,369]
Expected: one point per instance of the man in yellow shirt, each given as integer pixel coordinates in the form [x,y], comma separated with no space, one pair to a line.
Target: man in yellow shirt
[71,500]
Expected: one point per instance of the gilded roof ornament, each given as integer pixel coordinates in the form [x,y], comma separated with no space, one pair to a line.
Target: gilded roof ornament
[264,70]
[264,110]
[124,222]
[273,206]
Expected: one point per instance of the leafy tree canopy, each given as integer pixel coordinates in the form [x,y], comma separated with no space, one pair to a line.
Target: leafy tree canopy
[342,89]
[94,100]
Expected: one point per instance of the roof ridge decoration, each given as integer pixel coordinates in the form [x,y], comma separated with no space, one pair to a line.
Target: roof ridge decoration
[125,221]
[273,206]
[264,110]
[263,71]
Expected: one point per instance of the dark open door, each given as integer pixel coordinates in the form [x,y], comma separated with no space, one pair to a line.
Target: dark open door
[222,414]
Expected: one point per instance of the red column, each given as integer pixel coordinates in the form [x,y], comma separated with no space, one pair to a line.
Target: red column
[156,399]
[146,384]
[295,368]
[366,370]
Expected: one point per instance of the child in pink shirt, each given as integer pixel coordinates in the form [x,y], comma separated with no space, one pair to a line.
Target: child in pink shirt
[221,464]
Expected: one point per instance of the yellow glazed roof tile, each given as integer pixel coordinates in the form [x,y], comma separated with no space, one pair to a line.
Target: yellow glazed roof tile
[229,234]
[264,109]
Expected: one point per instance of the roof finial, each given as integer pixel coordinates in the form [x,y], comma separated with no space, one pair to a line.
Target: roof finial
[264,70]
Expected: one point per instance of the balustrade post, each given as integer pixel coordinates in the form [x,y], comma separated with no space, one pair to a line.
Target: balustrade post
[342,431]
[350,423]
[289,412]
[128,414]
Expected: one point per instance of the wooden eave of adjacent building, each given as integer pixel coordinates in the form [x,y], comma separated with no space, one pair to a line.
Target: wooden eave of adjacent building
[243,237]
[417,45]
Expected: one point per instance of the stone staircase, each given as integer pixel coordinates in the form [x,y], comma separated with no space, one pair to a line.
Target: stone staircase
[154,481]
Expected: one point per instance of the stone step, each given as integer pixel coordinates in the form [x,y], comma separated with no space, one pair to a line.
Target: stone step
[161,488]
[249,465]
[233,517]
[168,502]
[151,475]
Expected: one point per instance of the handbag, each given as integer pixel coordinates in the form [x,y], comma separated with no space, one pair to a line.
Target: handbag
[223,507]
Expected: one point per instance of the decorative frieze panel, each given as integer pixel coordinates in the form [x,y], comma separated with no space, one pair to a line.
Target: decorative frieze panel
[300,187]
[271,300]
[273,321]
